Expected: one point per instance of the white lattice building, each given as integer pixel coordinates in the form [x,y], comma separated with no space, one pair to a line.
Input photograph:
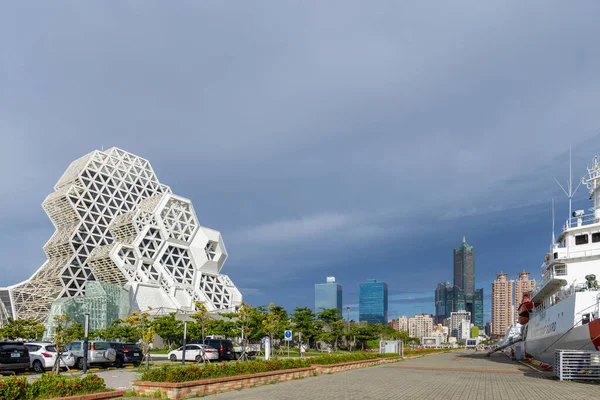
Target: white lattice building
[116,223]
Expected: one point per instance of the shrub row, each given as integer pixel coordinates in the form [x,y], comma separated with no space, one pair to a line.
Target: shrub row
[197,372]
[342,358]
[49,386]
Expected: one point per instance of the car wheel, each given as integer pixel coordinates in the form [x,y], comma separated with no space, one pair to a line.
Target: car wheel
[37,366]
[80,363]
[173,357]
[198,358]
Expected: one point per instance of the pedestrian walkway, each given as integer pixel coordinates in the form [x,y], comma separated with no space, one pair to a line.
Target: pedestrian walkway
[463,375]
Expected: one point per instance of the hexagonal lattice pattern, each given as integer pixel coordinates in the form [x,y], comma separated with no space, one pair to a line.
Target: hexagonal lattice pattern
[117,224]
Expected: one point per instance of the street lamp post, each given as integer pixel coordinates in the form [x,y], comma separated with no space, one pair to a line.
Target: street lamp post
[184,342]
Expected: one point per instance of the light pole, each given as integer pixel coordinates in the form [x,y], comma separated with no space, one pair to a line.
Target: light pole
[184,342]
[86,330]
[348,309]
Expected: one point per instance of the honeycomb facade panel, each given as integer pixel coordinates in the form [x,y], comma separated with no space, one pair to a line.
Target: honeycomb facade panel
[117,224]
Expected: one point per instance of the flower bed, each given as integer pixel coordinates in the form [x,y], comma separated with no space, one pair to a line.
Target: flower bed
[50,386]
[205,387]
[198,372]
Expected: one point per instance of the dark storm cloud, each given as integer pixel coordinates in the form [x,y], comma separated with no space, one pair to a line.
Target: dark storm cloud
[319,137]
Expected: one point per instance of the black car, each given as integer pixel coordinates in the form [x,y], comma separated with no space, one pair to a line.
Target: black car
[127,353]
[223,346]
[14,356]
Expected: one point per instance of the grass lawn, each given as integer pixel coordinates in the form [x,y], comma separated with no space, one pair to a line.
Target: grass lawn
[159,351]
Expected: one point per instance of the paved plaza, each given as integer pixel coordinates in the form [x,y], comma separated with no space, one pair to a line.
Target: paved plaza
[461,375]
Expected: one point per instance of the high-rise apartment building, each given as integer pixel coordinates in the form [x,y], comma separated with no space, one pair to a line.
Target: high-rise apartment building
[373,302]
[522,285]
[502,310]
[420,326]
[456,319]
[400,323]
[328,295]
[442,310]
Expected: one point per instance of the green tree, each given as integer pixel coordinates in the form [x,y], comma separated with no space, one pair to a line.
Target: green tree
[303,320]
[145,330]
[202,318]
[65,331]
[28,329]
[119,330]
[332,326]
[169,329]
[271,322]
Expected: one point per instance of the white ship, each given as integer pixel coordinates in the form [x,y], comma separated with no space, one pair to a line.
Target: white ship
[564,310]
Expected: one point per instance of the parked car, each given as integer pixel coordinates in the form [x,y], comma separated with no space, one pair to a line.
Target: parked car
[42,356]
[14,356]
[193,352]
[127,353]
[252,349]
[98,353]
[223,346]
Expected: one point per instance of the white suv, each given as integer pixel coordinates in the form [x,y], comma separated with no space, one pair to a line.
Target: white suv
[42,356]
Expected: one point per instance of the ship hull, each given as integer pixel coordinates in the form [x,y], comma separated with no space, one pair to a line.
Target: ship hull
[560,327]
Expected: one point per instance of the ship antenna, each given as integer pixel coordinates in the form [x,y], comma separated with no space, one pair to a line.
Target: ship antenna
[571,192]
[553,238]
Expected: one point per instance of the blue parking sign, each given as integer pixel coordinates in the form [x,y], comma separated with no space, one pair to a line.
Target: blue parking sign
[288,335]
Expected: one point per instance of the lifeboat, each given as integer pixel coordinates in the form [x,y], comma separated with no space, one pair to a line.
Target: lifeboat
[525,308]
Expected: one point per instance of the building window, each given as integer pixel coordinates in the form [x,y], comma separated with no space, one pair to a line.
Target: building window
[596,237]
[581,239]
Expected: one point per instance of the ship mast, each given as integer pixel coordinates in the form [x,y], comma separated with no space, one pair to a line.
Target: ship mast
[571,192]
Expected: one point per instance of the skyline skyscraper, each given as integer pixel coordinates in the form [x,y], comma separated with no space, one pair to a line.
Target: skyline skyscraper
[373,302]
[328,295]
[461,295]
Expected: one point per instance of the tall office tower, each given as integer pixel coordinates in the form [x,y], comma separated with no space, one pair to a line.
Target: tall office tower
[523,285]
[420,326]
[502,314]
[373,302]
[441,300]
[478,308]
[464,268]
[328,295]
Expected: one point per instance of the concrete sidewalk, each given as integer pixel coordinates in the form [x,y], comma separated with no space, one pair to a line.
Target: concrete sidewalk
[458,375]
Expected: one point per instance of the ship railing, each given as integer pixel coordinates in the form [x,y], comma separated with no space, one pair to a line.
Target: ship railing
[587,219]
[552,273]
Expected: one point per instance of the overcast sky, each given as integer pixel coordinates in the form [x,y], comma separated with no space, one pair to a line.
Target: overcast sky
[346,138]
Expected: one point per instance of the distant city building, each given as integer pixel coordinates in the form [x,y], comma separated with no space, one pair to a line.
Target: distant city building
[400,323]
[462,295]
[373,302]
[420,325]
[328,295]
[488,329]
[441,301]
[502,313]
[441,331]
[456,319]
[464,268]
[464,330]
[522,285]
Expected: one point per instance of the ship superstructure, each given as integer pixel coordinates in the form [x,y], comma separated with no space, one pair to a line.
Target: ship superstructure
[564,310]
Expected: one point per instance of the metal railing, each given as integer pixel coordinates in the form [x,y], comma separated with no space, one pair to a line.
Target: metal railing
[587,219]
[577,365]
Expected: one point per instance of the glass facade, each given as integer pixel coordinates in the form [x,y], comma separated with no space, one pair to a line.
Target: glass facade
[328,295]
[373,302]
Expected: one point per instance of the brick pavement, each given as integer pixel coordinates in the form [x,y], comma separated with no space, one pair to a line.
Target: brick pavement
[463,375]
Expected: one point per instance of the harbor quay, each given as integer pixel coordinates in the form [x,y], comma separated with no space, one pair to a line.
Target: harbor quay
[463,374]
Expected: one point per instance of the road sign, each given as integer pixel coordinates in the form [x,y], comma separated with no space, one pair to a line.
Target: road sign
[288,335]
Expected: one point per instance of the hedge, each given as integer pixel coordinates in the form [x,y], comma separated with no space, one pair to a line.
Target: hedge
[197,372]
[49,386]
[342,358]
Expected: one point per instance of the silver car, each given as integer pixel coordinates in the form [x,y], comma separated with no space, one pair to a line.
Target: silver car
[98,353]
